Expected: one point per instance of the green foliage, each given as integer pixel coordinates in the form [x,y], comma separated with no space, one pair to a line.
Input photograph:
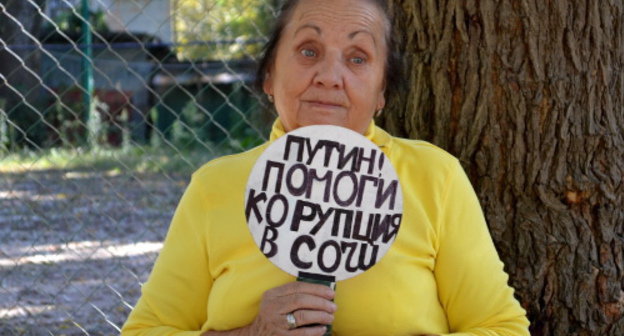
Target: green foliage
[95,126]
[187,129]
[71,23]
[195,129]
[248,139]
[136,159]
[217,20]
[23,120]
[4,129]
[71,125]
[64,117]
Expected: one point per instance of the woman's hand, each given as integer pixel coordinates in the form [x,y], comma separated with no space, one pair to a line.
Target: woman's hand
[310,304]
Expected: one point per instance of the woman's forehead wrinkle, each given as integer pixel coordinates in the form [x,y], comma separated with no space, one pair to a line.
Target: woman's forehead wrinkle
[364,19]
[309,26]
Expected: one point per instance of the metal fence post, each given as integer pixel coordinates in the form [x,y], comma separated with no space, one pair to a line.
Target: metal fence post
[87,68]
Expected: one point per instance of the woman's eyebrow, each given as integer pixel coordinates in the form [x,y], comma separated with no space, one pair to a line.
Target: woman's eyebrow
[353,34]
[308,25]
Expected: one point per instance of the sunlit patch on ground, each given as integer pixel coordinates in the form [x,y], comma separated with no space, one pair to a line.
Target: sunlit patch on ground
[75,251]
[76,245]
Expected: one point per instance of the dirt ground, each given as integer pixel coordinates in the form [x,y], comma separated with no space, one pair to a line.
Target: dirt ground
[75,246]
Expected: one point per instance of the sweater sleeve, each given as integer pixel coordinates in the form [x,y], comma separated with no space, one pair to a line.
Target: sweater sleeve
[173,300]
[472,284]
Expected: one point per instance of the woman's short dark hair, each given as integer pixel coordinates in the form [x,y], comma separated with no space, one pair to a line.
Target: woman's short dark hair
[270,49]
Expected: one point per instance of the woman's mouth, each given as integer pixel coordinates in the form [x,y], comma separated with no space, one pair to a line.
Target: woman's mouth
[323,104]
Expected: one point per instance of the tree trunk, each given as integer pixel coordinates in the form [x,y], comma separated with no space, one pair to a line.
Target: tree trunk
[529,95]
[19,88]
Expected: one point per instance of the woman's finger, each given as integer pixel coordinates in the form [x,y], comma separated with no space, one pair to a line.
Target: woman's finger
[306,317]
[299,301]
[304,287]
[308,331]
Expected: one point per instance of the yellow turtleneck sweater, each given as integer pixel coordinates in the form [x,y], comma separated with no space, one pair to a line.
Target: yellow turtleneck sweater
[442,275]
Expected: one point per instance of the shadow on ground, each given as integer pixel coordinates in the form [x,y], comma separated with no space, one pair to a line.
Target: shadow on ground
[75,246]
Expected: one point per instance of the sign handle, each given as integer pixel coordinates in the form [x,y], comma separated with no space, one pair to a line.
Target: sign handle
[326,282]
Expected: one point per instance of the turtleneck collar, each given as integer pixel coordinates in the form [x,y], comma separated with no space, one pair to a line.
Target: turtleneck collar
[373,133]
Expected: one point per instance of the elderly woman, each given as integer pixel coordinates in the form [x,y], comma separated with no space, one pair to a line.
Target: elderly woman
[329,62]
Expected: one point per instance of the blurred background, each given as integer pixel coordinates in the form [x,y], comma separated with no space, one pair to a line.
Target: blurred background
[106,108]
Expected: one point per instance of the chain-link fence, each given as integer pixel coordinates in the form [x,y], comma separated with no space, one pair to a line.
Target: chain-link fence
[106,106]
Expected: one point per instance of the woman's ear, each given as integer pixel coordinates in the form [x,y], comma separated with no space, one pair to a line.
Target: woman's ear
[267,85]
[381,100]
[381,97]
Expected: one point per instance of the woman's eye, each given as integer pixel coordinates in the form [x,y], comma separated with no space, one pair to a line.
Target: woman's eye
[308,52]
[358,60]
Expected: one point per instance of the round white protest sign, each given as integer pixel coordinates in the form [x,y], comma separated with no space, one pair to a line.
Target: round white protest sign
[323,202]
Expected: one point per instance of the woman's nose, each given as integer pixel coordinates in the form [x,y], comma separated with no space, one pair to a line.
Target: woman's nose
[330,72]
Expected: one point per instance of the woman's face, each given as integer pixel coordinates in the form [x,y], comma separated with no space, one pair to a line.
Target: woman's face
[329,65]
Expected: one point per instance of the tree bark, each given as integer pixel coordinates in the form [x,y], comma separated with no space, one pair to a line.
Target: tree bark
[528,94]
[20,86]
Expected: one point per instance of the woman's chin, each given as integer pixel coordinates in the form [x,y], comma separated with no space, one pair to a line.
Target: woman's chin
[323,121]
[335,119]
